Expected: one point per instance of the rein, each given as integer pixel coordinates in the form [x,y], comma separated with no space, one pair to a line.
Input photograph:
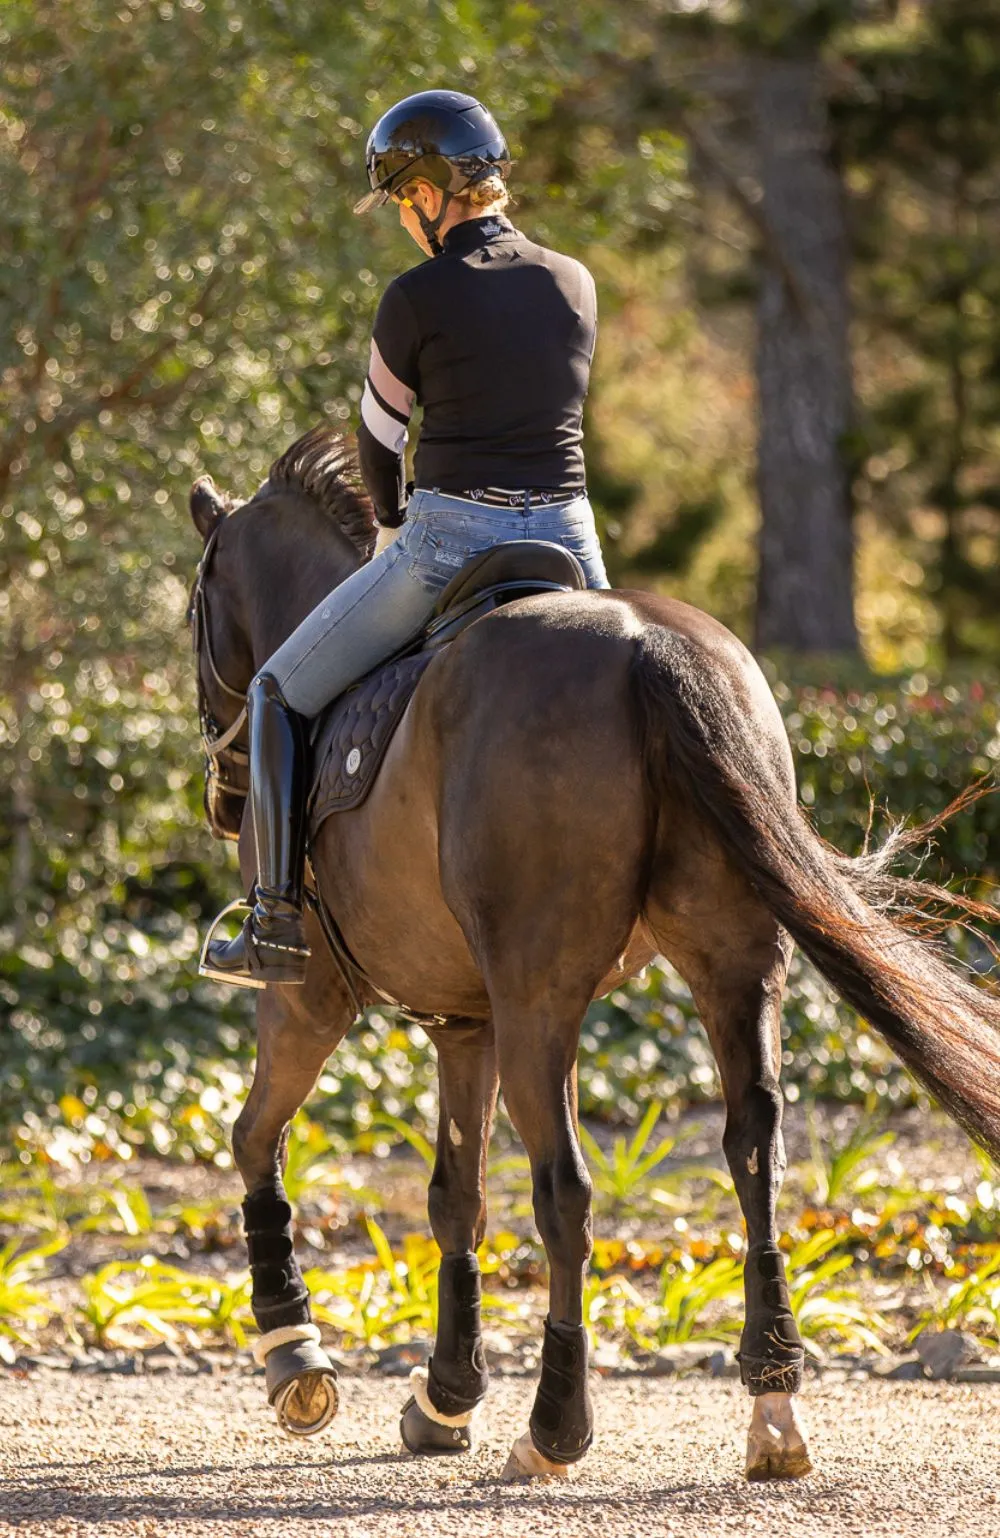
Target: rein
[217,741]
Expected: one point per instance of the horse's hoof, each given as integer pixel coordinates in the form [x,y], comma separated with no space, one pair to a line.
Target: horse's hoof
[307,1404]
[302,1387]
[422,1435]
[526,1462]
[776,1443]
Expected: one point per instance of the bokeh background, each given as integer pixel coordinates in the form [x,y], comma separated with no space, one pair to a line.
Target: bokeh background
[792,211]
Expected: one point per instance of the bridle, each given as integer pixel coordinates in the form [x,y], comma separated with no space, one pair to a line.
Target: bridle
[227,762]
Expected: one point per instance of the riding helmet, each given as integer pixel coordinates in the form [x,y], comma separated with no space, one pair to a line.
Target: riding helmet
[447,138]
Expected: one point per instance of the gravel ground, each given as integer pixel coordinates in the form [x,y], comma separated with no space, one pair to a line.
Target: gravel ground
[81,1455]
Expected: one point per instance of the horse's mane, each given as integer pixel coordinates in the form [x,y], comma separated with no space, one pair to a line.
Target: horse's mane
[323,467]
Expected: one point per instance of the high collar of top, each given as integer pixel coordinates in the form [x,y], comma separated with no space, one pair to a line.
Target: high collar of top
[471,234]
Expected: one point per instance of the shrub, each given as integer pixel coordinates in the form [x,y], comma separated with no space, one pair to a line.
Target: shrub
[110,1042]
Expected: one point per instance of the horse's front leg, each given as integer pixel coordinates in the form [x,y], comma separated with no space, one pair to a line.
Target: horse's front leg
[446,1393]
[296,1032]
[739,996]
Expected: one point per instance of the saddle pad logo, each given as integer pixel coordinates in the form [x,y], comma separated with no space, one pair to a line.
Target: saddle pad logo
[352,763]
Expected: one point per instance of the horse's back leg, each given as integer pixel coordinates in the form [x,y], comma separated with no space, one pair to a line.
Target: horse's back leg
[446,1393]
[297,1029]
[734,958]
[537,1040]
[544,855]
[540,985]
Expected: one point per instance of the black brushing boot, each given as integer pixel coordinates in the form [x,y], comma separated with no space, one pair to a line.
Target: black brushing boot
[562,1420]
[271,947]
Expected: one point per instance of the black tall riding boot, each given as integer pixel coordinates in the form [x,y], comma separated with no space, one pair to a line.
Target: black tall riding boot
[271,947]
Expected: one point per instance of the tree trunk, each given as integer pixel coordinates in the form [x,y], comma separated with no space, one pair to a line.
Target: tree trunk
[22,806]
[805,585]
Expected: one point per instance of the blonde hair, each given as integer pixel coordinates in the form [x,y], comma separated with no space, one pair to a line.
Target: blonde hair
[489,193]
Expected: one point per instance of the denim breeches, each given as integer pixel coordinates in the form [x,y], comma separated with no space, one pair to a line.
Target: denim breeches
[386,603]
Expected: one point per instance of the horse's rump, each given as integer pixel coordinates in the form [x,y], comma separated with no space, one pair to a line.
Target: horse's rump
[510,799]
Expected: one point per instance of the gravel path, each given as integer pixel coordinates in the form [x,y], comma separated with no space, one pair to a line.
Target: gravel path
[87,1455]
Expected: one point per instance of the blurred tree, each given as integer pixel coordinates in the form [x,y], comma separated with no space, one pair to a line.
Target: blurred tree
[160,311]
[184,289]
[920,132]
[758,121]
[745,86]
[805,586]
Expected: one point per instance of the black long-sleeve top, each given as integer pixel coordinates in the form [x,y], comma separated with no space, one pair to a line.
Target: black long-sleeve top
[494,340]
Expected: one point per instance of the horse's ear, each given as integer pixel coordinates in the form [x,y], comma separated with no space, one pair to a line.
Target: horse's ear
[207,507]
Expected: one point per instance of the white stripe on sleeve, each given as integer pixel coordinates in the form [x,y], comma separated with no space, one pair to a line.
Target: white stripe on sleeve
[390,433]
[392,390]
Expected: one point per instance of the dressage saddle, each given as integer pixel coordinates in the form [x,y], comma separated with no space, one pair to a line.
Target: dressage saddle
[351,737]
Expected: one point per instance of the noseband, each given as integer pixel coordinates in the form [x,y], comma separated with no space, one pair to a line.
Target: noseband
[223,755]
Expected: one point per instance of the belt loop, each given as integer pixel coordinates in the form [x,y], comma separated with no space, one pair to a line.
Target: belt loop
[526,510]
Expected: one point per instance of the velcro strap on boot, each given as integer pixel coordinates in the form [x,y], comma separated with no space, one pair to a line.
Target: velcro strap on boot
[562,1422]
[280,1296]
[457,1377]
[771,1354]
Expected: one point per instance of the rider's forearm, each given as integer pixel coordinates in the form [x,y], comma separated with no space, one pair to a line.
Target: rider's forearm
[384,475]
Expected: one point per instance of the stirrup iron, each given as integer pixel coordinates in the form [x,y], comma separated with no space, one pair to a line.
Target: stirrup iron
[234,979]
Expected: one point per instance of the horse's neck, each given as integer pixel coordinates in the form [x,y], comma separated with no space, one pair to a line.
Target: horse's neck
[288,570]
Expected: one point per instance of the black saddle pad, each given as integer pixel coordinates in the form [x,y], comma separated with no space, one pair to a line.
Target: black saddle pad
[355,733]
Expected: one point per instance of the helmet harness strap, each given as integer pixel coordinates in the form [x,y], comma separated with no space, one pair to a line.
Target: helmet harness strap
[430,227]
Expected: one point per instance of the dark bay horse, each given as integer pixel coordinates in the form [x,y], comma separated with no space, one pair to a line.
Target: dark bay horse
[581,781]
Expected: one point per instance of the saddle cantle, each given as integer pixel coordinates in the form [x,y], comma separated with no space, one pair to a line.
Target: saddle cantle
[352,735]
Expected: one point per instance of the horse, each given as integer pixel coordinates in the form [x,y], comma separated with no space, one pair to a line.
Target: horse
[581,781]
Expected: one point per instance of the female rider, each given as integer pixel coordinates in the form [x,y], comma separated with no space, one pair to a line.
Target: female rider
[493,338]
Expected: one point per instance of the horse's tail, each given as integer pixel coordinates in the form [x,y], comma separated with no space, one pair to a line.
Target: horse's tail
[867,932]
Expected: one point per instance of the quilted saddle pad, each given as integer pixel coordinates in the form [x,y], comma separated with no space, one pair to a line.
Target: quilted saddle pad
[353,737]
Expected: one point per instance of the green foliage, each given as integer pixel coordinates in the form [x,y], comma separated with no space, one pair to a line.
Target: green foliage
[409,1135]
[611,1305]
[920,138]
[630,1177]
[23,1305]
[316,1164]
[704,1300]
[125,1302]
[694,1302]
[825,1309]
[683,1286]
[392,1299]
[839,1171]
[32,1202]
[970,1303]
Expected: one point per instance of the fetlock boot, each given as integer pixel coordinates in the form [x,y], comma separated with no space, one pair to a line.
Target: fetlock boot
[271,947]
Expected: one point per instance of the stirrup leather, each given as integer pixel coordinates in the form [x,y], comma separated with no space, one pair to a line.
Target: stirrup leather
[234,979]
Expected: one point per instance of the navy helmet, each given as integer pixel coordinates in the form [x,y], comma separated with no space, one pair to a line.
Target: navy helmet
[444,137]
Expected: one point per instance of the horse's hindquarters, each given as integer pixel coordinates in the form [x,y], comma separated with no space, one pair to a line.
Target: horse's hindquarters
[509,816]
